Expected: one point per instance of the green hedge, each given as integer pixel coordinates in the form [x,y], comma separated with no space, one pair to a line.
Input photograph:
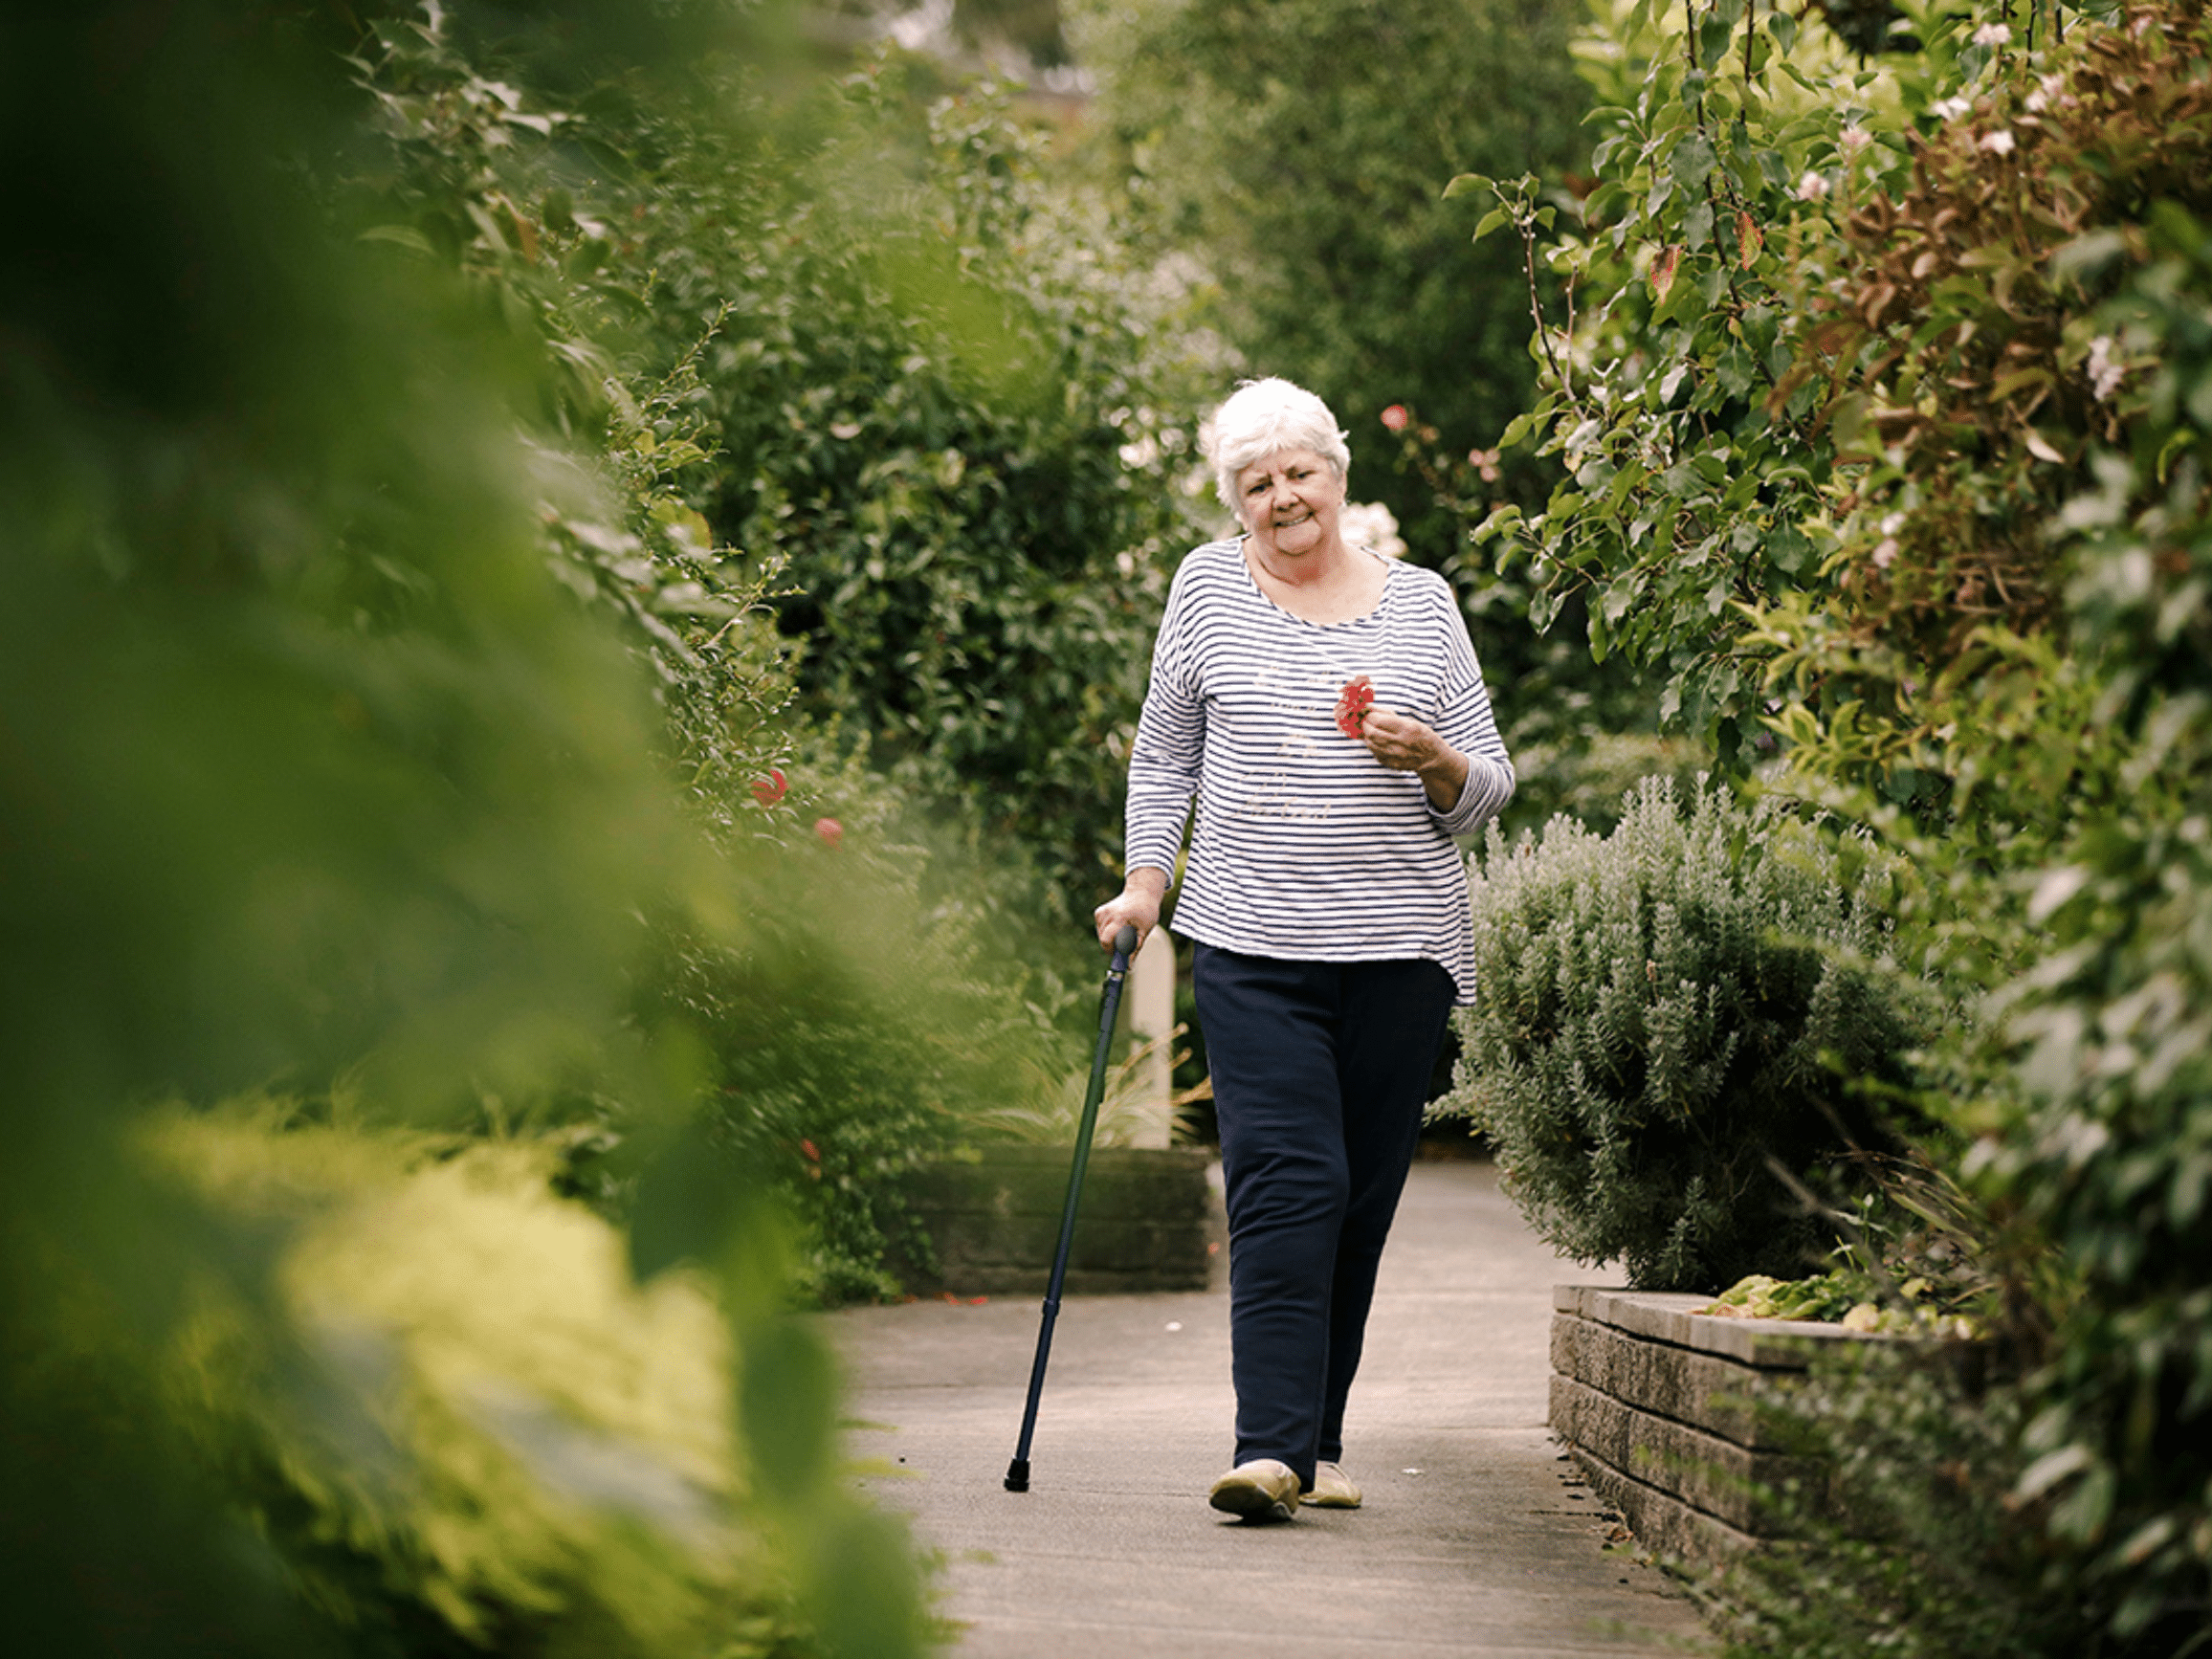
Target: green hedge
[956,425]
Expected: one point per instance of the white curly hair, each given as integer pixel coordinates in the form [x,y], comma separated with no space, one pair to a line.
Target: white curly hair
[1263,418]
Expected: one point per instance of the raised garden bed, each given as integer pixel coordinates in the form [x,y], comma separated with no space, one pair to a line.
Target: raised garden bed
[1149,1221]
[1660,1407]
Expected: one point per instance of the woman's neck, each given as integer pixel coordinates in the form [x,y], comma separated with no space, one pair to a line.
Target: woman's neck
[1326,585]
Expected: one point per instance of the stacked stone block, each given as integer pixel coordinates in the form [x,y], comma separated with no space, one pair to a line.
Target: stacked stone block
[1661,1408]
[1149,1220]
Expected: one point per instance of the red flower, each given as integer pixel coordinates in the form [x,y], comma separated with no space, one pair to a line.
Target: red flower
[829,829]
[770,789]
[1396,419]
[1352,705]
[810,1152]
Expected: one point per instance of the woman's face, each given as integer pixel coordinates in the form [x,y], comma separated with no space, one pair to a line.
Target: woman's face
[1290,503]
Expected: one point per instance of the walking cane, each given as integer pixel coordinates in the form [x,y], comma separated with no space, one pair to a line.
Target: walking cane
[1124,943]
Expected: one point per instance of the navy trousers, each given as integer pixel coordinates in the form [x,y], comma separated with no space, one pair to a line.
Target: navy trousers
[1320,1071]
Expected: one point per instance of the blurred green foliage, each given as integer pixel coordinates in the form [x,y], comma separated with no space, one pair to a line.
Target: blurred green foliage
[827,1068]
[515,1448]
[335,698]
[1290,158]
[493,179]
[955,427]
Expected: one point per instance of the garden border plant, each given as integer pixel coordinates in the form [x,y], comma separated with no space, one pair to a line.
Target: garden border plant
[1663,1013]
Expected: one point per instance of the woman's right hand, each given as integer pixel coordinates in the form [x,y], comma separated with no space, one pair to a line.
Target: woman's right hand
[1137,905]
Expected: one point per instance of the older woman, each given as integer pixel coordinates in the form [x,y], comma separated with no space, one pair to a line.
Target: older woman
[1325,896]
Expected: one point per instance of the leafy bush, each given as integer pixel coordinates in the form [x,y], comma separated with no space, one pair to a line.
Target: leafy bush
[314,772]
[1663,1010]
[957,429]
[854,1029]
[2099,1128]
[1907,1544]
[1273,153]
[822,1017]
[1682,389]
[1888,416]
[521,1449]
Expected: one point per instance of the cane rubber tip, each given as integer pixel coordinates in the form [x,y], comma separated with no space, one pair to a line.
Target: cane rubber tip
[1018,1475]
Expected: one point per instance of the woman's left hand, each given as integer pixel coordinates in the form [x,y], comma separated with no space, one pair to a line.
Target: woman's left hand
[1403,744]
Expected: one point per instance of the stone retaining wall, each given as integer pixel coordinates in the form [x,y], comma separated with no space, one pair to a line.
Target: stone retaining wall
[1660,1407]
[1149,1220]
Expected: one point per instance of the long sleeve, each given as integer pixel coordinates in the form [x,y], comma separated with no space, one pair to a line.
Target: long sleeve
[1166,759]
[1465,722]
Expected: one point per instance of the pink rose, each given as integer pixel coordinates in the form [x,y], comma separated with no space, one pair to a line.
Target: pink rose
[829,829]
[1395,417]
[772,788]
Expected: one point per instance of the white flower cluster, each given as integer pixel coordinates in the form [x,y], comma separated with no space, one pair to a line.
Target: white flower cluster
[2106,372]
[1885,551]
[1370,524]
[1993,35]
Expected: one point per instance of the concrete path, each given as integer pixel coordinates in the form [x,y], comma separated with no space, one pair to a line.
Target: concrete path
[1476,1539]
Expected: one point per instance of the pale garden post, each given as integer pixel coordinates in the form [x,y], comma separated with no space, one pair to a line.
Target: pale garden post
[1150,1018]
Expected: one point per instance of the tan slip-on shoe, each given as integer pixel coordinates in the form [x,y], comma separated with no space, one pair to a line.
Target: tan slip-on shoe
[1333,1489]
[1262,1489]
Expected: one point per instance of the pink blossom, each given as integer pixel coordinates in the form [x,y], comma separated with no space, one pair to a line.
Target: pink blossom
[1395,417]
[1998,142]
[829,830]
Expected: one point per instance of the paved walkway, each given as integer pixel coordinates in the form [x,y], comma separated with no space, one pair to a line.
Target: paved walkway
[1476,1540]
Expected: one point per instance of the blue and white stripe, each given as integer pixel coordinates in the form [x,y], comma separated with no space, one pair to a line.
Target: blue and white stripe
[1306,846]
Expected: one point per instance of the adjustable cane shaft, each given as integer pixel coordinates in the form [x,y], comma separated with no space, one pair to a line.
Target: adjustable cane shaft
[1110,1005]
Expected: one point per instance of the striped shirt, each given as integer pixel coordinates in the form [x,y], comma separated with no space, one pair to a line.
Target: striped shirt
[1305,846]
